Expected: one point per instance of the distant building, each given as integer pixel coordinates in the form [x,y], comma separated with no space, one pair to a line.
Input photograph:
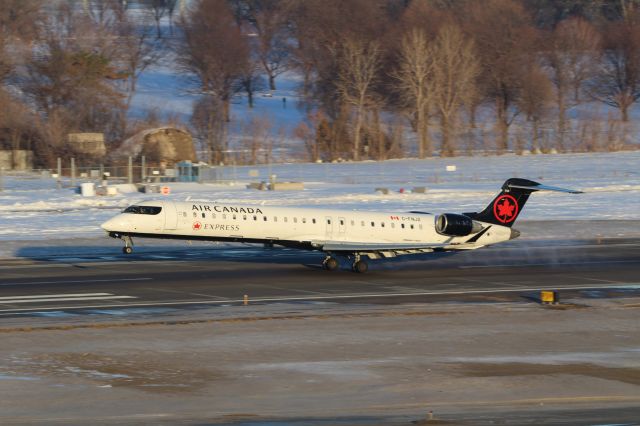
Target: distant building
[163,145]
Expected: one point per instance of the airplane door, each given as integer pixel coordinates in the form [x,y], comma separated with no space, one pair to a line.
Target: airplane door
[342,225]
[170,216]
[329,229]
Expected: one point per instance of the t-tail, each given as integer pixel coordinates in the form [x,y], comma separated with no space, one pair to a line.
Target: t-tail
[505,208]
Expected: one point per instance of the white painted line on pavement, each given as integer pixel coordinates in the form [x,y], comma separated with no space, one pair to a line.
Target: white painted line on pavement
[77,281]
[40,296]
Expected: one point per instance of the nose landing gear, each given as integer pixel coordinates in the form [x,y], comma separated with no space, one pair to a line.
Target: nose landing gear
[128,244]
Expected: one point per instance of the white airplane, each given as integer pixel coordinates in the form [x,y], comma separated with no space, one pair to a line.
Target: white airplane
[354,235]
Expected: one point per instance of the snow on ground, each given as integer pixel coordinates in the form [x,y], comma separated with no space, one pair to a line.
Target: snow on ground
[32,208]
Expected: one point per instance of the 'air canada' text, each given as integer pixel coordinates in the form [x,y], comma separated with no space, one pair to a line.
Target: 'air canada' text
[225,209]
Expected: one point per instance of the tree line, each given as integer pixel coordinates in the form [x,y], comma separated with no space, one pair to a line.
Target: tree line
[376,76]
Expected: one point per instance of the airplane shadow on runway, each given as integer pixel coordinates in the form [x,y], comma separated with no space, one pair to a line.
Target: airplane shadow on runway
[517,253]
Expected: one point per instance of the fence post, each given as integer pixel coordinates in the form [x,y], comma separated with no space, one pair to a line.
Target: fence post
[59,182]
[73,171]
[143,175]
[130,170]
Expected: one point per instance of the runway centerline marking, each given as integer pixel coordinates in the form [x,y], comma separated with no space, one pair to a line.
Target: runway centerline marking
[76,281]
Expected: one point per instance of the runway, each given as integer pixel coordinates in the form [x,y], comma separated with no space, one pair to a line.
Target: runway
[187,278]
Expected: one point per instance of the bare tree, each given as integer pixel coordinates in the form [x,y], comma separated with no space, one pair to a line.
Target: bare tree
[358,72]
[71,73]
[569,56]
[251,80]
[505,39]
[214,50]
[414,82]
[257,139]
[17,26]
[455,69]
[269,20]
[137,51]
[534,99]
[207,121]
[617,81]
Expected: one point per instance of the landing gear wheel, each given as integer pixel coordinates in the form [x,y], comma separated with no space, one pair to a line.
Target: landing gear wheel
[331,264]
[360,267]
[127,250]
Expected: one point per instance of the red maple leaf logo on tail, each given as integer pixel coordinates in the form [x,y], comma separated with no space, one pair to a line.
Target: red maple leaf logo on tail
[505,208]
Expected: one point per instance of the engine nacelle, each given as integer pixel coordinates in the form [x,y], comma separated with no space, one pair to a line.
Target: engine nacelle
[456,225]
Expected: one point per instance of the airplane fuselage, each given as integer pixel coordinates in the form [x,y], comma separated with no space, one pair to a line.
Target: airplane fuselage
[293,227]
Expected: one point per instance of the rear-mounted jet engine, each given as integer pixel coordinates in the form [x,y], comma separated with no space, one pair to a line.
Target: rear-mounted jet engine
[456,225]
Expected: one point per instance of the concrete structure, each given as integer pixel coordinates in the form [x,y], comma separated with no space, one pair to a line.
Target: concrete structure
[166,145]
[88,143]
[18,159]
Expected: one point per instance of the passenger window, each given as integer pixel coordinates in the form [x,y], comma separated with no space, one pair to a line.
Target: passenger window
[224,216]
[265,218]
[295,220]
[285,219]
[402,226]
[328,221]
[234,217]
[275,218]
[244,217]
[341,222]
[382,224]
[411,226]
[213,215]
[203,215]
[393,225]
[353,223]
[373,224]
[195,214]
[313,221]
[304,220]
[255,218]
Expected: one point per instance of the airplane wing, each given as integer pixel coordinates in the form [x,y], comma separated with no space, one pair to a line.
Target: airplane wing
[386,250]
[364,247]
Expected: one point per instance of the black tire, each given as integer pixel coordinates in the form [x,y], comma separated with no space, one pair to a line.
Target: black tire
[127,250]
[360,267]
[331,264]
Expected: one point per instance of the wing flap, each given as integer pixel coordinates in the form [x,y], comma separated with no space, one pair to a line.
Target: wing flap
[371,247]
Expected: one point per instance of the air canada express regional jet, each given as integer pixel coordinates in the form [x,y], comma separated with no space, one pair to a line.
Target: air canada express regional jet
[352,235]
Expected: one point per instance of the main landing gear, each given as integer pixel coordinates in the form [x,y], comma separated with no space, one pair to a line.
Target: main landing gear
[330,263]
[359,265]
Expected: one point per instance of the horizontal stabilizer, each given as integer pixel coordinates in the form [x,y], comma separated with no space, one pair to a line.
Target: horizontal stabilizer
[540,187]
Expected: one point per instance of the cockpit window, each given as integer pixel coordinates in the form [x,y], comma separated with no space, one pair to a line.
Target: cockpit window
[143,210]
